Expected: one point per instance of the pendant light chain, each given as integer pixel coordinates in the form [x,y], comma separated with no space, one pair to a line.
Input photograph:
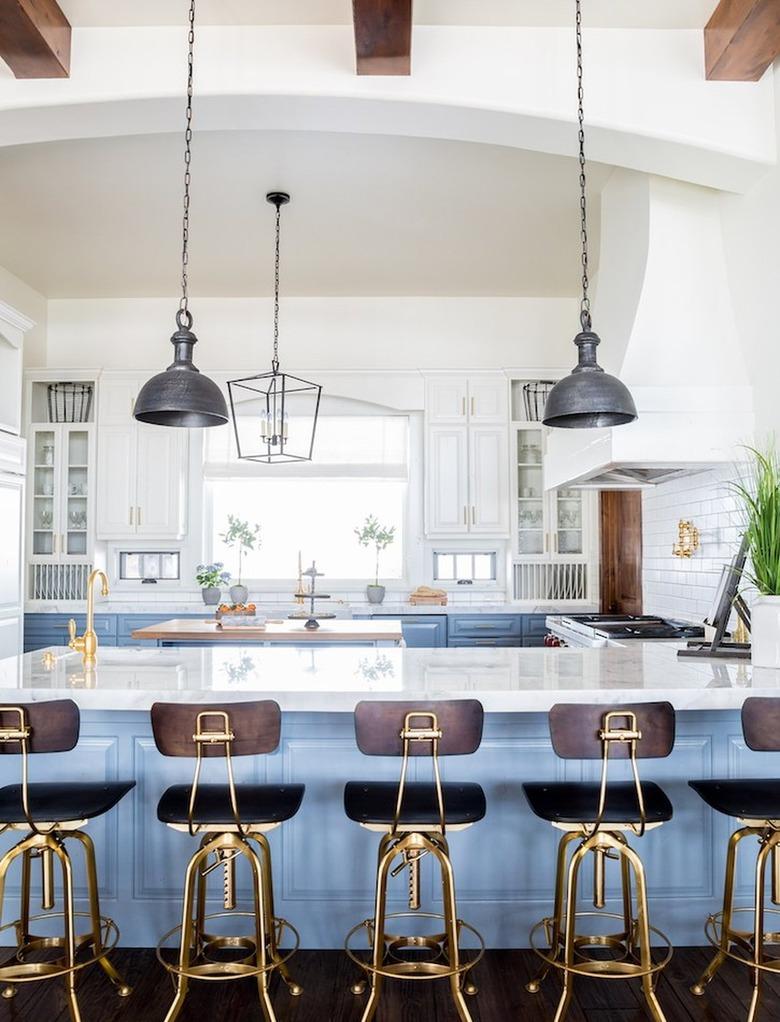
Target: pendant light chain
[275,359]
[585,319]
[185,317]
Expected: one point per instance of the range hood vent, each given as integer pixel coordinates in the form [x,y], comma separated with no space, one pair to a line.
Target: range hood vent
[664,312]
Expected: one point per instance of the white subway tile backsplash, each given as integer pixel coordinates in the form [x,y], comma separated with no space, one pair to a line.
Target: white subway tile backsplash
[676,587]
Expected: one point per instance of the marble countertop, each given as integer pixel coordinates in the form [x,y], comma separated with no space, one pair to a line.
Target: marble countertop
[344,608]
[332,680]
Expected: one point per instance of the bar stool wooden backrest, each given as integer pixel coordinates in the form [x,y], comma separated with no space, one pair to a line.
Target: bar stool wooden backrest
[30,728]
[761,723]
[447,728]
[597,731]
[221,730]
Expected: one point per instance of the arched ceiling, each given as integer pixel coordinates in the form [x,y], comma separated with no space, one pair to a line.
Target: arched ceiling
[371,215]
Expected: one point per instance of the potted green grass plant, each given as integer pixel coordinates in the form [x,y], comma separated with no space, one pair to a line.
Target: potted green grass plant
[244,536]
[372,534]
[759,494]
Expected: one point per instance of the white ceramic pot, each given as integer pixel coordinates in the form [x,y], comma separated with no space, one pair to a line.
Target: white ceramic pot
[239,594]
[765,631]
[375,594]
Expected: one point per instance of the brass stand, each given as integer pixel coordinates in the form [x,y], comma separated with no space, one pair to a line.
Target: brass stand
[80,950]
[748,947]
[631,947]
[201,955]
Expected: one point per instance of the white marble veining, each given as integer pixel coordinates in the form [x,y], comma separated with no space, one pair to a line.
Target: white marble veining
[511,680]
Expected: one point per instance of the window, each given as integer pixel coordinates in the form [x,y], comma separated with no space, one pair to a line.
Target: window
[149,565]
[464,567]
[360,469]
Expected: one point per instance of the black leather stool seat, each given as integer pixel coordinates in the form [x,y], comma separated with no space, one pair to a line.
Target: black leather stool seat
[61,802]
[257,803]
[745,798]
[375,801]
[578,802]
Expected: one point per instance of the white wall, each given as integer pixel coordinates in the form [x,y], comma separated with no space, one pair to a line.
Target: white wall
[318,333]
[675,586]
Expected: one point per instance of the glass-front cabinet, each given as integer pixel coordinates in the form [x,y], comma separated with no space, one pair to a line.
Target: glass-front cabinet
[548,524]
[62,460]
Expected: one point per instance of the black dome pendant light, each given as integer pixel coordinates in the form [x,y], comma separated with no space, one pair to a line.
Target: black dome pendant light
[182,395]
[588,397]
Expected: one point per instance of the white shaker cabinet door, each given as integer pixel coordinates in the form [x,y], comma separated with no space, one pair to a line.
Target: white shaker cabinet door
[447,480]
[116,482]
[488,400]
[446,399]
[162,482]
[489,492]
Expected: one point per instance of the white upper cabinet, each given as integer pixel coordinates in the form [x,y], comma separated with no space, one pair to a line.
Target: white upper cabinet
[467,458]
[447,504]
[446,400]
[489,472]
[142,470]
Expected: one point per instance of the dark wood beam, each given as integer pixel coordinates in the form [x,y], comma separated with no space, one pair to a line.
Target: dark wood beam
[741,40]
[35,38]
[383,36]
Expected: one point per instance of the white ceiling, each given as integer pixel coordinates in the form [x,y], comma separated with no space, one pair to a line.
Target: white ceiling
[606,13]
[371,215]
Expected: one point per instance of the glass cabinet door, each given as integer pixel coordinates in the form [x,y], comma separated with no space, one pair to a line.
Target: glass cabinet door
[45,464]
[76,495]
[530,493]
[569,525]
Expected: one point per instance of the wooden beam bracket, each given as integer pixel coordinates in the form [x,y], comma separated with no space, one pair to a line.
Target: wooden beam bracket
[742,39]
[383,36]
[35,38]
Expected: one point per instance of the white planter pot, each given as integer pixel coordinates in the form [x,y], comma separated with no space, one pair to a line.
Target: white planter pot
[765,631]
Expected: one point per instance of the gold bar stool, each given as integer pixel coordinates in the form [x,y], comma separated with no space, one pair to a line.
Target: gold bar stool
[414,819]
[50,815]
[756,804]
[596,819]
[232,821]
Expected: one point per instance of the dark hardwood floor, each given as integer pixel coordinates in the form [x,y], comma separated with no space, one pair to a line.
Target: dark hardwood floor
[326,976]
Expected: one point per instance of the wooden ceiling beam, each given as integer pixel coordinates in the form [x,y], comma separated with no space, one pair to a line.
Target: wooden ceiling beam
[383,36]
[742,39]
[35,38]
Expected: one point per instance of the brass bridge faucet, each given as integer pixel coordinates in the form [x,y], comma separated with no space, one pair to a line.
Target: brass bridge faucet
[87,644]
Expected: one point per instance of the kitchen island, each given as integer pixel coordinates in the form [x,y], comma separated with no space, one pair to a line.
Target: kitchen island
[504,864]
[207,631]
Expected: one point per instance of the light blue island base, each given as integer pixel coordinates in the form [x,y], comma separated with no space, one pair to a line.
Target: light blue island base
[324,864]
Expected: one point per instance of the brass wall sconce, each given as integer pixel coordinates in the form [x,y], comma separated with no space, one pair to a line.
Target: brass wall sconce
[688,540]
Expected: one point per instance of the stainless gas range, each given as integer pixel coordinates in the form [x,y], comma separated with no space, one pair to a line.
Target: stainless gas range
[594,630]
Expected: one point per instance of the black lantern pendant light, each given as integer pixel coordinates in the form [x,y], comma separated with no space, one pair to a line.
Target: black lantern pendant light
[588,397]
[275,414]
[182,395]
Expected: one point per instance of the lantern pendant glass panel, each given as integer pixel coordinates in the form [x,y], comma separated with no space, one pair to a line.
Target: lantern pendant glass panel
[275,417]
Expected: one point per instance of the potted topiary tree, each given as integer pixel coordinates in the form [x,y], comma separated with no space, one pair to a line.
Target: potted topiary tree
[759,495]
[244,536]
[211,578]
[372,534]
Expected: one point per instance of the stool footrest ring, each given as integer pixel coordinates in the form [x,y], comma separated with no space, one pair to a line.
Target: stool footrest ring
[17,970]
[625,967]
[434,944]
[743,940]
[205,966]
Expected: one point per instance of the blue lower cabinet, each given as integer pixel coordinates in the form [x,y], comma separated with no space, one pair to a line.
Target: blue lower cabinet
[486,629]
[423,631]
[534,629]
[41,630]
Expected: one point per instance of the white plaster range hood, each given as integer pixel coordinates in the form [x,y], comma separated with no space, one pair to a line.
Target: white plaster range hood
[664,314]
